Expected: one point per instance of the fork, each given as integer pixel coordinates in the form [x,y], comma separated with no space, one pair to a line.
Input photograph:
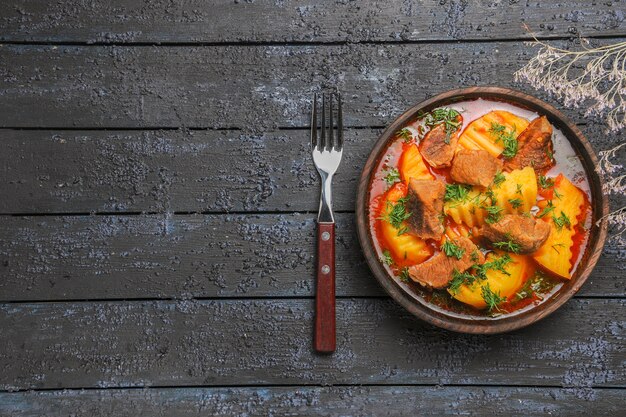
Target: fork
[327,149]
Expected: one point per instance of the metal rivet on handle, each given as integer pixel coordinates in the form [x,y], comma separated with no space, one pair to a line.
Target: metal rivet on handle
[325,236]
[325,269]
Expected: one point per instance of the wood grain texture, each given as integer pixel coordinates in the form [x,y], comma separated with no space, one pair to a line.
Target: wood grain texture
[325,334]
[63,171]
[251,87]
[127,21]
[164,171]
[318,401]
[158,256]
[121,344]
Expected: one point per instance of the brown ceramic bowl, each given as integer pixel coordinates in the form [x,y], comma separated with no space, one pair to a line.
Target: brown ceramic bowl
[478,324]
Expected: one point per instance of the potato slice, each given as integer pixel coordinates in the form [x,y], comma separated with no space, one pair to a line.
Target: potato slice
[406,249]
[556,253]
[499,282]
[479,134]
[412,165]
[518,192]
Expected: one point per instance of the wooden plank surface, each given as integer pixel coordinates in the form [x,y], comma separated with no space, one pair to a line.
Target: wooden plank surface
[318,401]
[165,171]
[256,88]
[182,256]
[227,342]
[164,21]
[64,171]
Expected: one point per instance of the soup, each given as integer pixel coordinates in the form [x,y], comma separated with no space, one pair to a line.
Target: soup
[480,208]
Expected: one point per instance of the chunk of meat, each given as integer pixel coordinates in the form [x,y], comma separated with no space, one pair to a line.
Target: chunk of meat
[438,146]
[425,203]
[526,233]
[437,272]
[474,167]
[535,147]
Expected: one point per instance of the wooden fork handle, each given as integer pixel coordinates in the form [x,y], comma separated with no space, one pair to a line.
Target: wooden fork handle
[325,333]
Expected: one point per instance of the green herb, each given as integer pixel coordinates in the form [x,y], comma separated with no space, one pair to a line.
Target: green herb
[489,194]
[546,210]
[449,117]
[519,189]
[459,279]
[457,192]
[545,182]
[474,256]
[549,154]
[393,176]
[405,134]
[396,213]
[498,264]
[507,245]
[498,179]
[561,221]
[402,231]
[508,139]
[494,214]
[386,257]
[404,275]
[537,284]
[450,249]
[557,194]
[492,299]
[558,245]
[516,202]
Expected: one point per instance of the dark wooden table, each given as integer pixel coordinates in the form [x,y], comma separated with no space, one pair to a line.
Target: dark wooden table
[158,207]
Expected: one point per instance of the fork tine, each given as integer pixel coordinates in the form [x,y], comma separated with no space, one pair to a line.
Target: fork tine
[339,123]
[314,123]
[323,129]
[331,143]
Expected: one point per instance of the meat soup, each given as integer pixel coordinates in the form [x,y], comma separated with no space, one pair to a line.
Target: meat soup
[480,208]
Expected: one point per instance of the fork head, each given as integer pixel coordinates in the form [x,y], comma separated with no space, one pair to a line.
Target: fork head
[327,141]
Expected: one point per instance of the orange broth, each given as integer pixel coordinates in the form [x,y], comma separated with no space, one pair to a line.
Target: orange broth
[544,283]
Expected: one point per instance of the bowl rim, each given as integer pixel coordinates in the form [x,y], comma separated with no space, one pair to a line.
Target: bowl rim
[505,323]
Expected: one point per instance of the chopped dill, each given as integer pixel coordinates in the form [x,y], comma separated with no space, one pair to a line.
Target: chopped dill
[515,202]
[492,299]
[498,264]
[393,176]
[498,179]
[508,139]
[546,210]
[562,221]
[459,279]
[450,249]
[494,214]
[545,182]
[508,245]
[557,194]
[405,134]
[396,213]
[445,115]
[518,189]
[386,257]
[457,192]
[558,245]
[404,275]
[402,230]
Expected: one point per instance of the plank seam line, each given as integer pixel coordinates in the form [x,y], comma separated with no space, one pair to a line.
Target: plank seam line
[343,385]
[188,128]
[300,42]
[242,299]
[170,213]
